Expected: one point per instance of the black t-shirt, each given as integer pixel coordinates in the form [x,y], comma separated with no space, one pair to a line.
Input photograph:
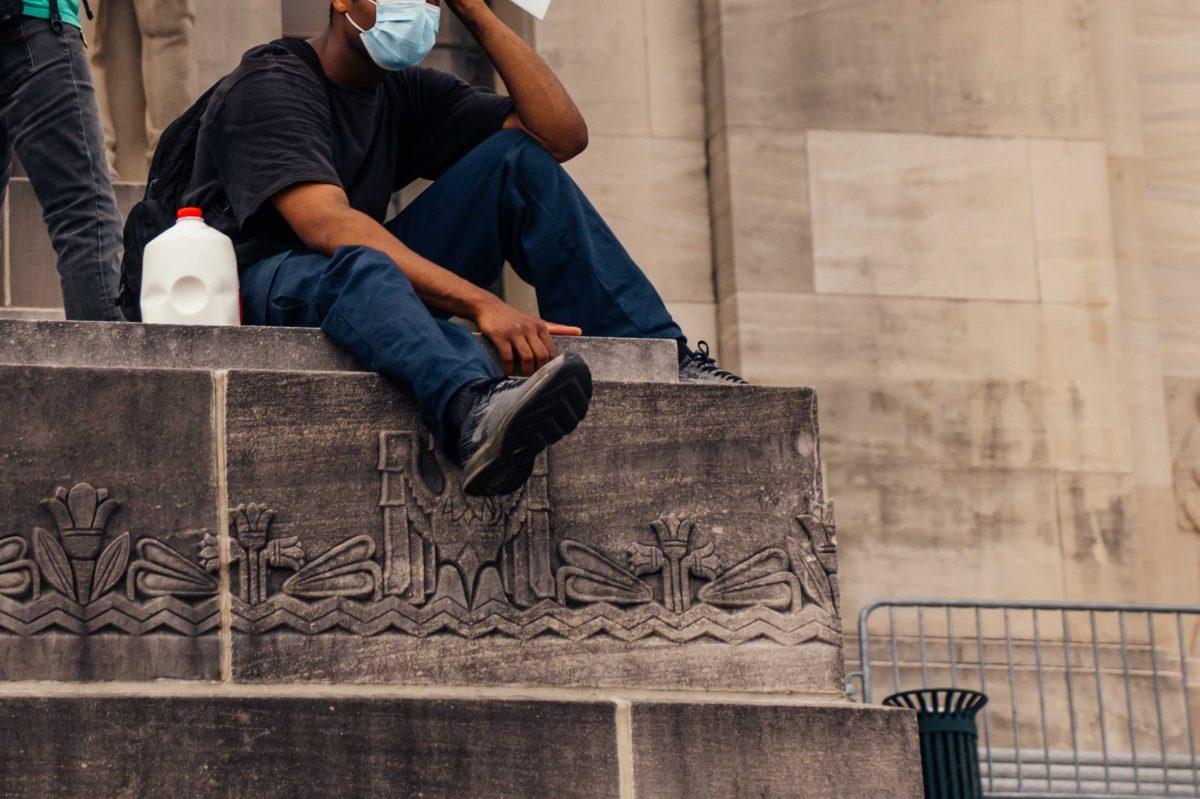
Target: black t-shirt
[277,121]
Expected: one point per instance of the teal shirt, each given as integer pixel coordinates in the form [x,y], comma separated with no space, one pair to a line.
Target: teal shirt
[68,9]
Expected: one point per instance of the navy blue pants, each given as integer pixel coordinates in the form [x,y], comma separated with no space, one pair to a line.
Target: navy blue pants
[506,200]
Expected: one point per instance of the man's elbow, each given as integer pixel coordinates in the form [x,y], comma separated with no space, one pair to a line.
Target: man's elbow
[572,143]
[323,233]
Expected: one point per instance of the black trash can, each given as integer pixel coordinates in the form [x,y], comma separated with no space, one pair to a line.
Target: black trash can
[949,739]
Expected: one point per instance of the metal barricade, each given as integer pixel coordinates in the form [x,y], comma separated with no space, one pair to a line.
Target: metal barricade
[1087,700]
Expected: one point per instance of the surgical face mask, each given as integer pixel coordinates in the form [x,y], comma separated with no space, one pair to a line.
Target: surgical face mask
[404,32]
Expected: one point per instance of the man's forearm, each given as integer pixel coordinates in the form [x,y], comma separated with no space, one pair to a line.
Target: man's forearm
[437,287]
[542,103]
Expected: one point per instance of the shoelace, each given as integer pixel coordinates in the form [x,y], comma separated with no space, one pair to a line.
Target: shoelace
[705,363]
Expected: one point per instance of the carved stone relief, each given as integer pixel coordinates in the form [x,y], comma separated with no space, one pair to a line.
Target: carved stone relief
[440,563]
[453,564]
[71,579]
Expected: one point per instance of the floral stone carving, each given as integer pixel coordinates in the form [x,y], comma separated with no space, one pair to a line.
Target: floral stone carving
[75,562]
[451,564]
[71,580]
[345,570]
[18,576]
[440,563]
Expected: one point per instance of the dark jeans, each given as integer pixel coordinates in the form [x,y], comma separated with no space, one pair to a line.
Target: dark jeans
[49,116]
[507,199]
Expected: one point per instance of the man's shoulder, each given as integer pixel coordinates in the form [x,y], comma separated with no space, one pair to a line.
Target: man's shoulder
[415,83]
[275,63]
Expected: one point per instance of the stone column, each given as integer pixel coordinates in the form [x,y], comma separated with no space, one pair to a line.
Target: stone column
[1161,64]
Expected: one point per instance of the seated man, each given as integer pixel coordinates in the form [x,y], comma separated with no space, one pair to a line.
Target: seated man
[301,149]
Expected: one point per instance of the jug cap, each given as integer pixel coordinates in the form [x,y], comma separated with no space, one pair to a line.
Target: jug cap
[189,213]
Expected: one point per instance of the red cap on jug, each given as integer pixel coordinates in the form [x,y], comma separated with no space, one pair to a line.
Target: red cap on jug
[189,213]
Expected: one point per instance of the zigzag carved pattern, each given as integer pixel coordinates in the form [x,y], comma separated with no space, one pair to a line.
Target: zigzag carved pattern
[548,618]
[114,612]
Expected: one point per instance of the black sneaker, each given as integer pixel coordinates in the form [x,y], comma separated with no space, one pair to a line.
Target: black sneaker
[514,420]
[699,367]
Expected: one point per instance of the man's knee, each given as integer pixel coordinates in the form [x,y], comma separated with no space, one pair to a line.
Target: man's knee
[518,151]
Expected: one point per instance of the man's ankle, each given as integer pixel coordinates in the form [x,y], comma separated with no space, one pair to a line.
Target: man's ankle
[457,410]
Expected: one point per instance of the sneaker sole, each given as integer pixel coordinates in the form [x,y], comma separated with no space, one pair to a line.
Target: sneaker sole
[549,411]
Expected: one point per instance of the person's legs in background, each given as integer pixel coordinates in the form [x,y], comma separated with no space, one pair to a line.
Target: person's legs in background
[6,158]
[48,107]
[101,46]
[168,65]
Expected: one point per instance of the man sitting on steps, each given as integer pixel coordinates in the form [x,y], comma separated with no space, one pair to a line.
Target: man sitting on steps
[300,151]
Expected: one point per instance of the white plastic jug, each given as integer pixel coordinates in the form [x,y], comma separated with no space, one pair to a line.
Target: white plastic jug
[189,275]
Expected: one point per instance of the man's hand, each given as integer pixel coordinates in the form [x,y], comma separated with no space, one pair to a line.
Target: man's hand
[522,340]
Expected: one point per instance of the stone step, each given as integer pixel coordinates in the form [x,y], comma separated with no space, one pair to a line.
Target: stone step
[136,346]
[32,314]
[276,526]
[270,744]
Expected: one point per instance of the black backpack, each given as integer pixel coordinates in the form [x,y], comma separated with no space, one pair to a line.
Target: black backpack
[170,174]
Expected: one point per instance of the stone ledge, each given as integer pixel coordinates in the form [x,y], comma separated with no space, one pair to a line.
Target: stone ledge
[33,314]
[341,746]
[137,346]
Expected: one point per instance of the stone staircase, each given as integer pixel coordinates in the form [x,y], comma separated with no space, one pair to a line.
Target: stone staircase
[232,564]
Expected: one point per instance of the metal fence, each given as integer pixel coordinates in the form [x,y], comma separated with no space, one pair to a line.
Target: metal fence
[1086,700]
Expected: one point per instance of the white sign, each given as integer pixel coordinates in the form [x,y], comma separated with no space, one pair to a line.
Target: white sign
[535,7]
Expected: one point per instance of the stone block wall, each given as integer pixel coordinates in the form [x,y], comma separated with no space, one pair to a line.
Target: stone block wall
[1167,180]
[931,212]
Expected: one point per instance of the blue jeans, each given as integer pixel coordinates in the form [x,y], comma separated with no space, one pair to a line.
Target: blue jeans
[49,116]
[506,200]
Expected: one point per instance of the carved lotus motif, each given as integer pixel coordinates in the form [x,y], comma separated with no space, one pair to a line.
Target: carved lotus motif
[762,579]
[589,576]
[252,525]
[81,516]
[161,571]
[345,570]
[255,552]
[676,559]
[68,563]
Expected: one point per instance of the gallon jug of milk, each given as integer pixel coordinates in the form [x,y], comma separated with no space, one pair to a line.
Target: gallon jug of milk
[189,275]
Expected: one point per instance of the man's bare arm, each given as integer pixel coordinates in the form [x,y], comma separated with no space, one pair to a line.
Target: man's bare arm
[544,109]
[320,214]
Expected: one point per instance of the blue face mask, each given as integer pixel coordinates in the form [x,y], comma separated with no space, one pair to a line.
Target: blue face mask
[404,32]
